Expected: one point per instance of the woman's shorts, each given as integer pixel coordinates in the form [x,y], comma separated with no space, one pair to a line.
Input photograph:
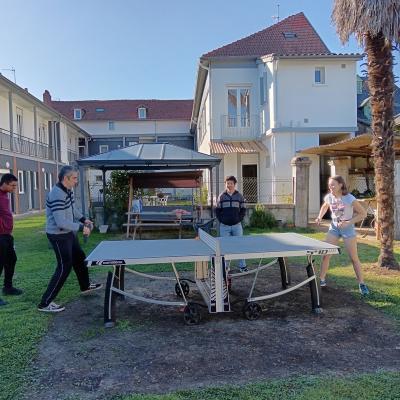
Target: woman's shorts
[345,233]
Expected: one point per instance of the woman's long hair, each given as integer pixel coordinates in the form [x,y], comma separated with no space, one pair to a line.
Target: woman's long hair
[339,179]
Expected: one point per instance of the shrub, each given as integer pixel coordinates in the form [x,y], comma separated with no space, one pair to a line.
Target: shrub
[117,195]
[261,218]
[201,196]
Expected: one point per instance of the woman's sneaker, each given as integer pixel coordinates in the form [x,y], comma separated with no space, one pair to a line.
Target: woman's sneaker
[322,283]
[363,289]
[92,287]
[51,308]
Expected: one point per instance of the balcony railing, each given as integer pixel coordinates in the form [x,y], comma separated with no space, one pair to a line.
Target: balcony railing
[24,145]
[72,156]
[237,127]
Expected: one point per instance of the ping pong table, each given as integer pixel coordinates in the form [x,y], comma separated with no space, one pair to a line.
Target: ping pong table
[211,257]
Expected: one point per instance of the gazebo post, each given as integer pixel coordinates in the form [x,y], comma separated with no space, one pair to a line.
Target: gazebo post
[82,184]
[211,194]
[129,206]
[104,195]
[217,180]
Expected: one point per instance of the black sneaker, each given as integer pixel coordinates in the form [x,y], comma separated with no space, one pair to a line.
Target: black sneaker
[92,287]
[12,291]
[3,303]
[243,269]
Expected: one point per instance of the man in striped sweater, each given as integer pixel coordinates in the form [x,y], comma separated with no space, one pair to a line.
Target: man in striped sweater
[61,229]
[230,212]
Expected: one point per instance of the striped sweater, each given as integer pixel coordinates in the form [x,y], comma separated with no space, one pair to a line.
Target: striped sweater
[60,211]
[231,209]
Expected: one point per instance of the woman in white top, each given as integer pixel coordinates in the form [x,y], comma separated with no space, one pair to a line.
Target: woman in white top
[345,212]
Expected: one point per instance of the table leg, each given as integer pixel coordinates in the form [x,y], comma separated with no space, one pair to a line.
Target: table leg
[315,302]
[109,302]
[285,273]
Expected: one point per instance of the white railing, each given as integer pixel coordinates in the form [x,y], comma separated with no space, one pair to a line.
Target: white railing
[72,156]
[24,145]
[237,127]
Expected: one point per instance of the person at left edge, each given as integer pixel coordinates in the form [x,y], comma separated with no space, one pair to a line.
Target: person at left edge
[8,257]
[61,230]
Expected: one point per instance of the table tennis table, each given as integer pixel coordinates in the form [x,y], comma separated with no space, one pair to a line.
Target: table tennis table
[211,257]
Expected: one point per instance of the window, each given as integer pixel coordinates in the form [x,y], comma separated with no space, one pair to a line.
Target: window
[359,85]
[99,178]
[50,180]
[46,183]
[142,112]
[20,120]
[111,125]
[147,139]
[238,107]
[42,133]
[35,180]
[99,109]
[77,113]
[103,148]
[263,88]
[21,183]
[289,35]
[319,75]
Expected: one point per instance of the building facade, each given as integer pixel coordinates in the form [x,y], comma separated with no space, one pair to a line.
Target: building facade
[35,141]
[262,99]
[115,124]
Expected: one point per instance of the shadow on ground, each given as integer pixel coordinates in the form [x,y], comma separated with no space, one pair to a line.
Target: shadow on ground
[152,351]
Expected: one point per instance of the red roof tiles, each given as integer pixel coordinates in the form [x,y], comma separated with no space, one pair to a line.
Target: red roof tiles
[126,110]
[272,41]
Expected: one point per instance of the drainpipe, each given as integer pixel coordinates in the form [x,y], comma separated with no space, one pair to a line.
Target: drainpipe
[275,68]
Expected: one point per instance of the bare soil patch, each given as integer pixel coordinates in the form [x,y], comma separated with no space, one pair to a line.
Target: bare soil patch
[152,351]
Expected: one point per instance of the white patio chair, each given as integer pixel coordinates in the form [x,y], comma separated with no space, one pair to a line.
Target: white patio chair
[163,201]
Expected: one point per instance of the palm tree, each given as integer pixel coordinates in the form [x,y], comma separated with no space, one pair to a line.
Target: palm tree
[376,24]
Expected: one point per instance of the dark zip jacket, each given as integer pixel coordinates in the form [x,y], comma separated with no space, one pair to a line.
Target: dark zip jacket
[231,209]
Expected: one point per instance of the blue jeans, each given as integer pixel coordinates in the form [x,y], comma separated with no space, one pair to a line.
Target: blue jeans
[234,230]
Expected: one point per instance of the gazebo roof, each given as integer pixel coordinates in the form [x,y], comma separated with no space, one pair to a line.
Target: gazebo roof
[150,156]
[359,146]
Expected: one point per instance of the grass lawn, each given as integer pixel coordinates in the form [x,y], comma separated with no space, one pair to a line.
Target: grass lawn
[22,326]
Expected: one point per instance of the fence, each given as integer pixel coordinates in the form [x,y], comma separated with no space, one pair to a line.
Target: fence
[254,190]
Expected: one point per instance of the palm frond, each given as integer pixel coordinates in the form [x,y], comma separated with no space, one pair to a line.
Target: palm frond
[360,17]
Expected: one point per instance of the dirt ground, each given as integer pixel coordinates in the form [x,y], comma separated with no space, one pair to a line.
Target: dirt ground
[152,351]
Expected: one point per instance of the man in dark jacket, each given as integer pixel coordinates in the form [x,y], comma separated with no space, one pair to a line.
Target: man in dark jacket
[231,210]
[61,229]
[8,258]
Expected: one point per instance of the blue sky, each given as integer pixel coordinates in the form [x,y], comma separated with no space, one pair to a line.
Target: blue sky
[131,49]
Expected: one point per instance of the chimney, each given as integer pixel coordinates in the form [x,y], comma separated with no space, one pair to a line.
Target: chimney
[47,97]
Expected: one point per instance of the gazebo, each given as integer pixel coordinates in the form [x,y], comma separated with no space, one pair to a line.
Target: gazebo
[148,157]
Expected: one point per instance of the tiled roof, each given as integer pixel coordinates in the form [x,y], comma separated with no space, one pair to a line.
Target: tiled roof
[272,40]
[126,110]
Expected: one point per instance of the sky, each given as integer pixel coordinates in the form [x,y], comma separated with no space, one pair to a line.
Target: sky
[134,49]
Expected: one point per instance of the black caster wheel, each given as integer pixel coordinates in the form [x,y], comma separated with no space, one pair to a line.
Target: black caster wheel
[185,288]
[251,311]
[191,314]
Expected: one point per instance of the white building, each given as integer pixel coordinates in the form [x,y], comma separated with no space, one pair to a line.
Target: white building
[261,99]
[35,141]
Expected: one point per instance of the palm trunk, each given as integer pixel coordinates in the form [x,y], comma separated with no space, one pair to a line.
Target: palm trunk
[380,81]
